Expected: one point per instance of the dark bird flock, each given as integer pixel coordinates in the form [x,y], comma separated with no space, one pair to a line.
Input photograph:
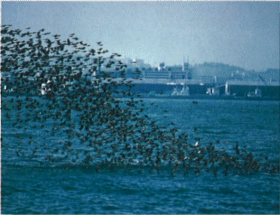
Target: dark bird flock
[60,89]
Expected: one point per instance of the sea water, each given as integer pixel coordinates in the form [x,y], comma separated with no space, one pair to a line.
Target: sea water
[55,189]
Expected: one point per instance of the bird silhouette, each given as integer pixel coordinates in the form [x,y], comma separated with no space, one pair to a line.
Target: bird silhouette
[64,89]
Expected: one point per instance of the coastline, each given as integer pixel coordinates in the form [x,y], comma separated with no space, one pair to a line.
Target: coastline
[213,97]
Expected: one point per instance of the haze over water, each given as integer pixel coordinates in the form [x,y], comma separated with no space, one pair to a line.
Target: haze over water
[244,34]
[35,180]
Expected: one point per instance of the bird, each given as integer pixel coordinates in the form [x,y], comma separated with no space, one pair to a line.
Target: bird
[90,123]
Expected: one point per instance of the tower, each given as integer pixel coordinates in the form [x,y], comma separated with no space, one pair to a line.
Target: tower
[186,69]
[161,66]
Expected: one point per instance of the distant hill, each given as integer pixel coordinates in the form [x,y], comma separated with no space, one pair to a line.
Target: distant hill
[234,72]
[271,75]
[218,69]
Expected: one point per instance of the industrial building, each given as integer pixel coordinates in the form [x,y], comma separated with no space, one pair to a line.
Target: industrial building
[252,89]
[182,80]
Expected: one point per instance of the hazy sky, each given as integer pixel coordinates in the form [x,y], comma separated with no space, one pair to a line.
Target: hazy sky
[244,34]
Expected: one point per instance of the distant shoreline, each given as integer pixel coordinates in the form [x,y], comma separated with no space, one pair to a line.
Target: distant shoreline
[193,97]
[208,97]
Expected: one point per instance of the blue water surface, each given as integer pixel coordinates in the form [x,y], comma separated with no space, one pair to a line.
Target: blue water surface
[58,190]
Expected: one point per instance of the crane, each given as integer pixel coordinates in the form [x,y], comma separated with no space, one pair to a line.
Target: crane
[262,80]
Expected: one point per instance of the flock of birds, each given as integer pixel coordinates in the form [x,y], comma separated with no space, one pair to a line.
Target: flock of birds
[84,114]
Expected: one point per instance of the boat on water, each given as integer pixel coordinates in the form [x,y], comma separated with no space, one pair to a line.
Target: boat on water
[255,94]
[183,92]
